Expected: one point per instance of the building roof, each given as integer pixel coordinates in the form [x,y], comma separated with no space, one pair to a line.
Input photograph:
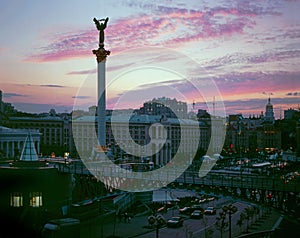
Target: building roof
[6,130]
[47,118]
[141,119]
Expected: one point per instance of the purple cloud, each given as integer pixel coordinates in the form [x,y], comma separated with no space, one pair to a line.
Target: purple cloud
[82,97]
[52,86]
[83,72]
[10,95]
[171,26]
[293,94]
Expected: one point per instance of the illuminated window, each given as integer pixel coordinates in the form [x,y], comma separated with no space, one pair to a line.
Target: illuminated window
[16,199]
[35,199]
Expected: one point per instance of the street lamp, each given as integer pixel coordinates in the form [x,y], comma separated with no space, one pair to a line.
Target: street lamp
[220,223]
[230,209]
[157,221]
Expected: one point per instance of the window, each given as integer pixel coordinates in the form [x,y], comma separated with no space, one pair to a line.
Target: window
[16,199]
[35,199]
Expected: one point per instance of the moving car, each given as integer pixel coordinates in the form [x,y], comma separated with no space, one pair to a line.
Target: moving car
[175,222]
[197,207]
[197,214]
[186,210]
[210,211]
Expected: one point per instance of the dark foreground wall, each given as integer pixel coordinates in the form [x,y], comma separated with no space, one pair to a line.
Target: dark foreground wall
[31,195]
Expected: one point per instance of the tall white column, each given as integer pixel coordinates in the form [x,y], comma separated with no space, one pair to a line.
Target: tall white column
[101,109]
[101,54]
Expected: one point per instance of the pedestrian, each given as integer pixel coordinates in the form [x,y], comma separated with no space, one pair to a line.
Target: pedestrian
[118,215]
[126,217]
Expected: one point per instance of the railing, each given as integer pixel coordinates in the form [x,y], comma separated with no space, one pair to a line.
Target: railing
[222,179]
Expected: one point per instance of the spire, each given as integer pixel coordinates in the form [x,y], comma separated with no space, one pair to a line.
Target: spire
[29,152]
[269,114]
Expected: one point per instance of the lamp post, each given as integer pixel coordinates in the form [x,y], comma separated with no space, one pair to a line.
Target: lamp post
[220,223]
[230,209]
[157,221]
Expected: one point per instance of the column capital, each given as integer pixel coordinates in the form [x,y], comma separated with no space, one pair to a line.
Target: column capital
[101,54]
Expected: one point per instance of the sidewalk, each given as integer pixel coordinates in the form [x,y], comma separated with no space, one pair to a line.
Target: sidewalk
[266,222]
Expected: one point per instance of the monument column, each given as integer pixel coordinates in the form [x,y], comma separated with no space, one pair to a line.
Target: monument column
[101,55]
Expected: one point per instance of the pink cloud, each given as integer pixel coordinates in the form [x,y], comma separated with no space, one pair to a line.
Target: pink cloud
[255,82]
[246,59]
[169,27]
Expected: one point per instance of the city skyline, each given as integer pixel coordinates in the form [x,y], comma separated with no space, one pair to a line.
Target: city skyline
[249,49]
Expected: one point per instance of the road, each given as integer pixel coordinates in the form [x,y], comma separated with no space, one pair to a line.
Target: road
[193,228]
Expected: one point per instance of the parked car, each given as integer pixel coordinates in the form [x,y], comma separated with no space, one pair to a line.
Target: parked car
[210,211]
[197,214]
[175,222]
[62,227]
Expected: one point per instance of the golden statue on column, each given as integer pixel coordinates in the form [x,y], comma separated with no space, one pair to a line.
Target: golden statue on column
[101,53]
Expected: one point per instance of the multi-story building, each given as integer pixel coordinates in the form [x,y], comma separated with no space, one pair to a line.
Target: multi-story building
[268,137]
[171,108]
[54,131]
[167,136]
[1,102]
[5,107]
[298,137]
[291,113]
[245,135]
[12,141]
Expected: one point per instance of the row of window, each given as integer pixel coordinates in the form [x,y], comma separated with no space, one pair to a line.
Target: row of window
[17,199]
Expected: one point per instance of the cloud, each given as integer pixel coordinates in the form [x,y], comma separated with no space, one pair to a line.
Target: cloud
[52,86]
[82,97]
[254,82]
[170,26]
[83,72]
[256,105]
[249,59]
[293,94]
[118,67]
[10,95]
[65,46]
[38,107]
[264,93]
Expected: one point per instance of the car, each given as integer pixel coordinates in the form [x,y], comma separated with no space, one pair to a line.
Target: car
[175,222]
[197,214]
[197,207]
[210,211]
[186,210]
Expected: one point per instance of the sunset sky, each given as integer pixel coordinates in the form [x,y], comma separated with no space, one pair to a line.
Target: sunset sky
[250,50]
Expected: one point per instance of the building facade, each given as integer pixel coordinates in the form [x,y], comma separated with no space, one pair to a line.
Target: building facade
[168,107]
[56,132]
[12,141]
[164,134]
